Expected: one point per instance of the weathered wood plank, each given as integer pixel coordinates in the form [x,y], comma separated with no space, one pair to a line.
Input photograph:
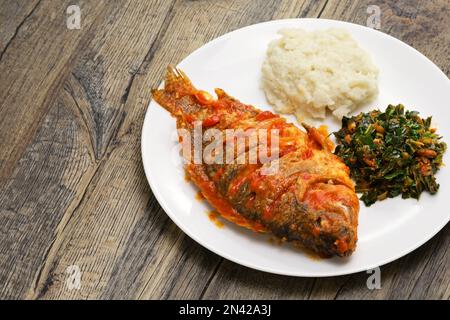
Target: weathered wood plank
[31,202]
[32,69]
[46,178]
[13,15]
[46,190]
[99,85]
[419,275]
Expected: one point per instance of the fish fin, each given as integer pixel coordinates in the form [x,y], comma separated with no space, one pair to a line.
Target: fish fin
[323,141]
[198,175]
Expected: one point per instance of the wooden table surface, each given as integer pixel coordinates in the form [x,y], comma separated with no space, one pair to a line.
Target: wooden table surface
[72,185]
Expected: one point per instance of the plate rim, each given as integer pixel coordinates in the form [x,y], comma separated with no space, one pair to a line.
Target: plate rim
[149,172]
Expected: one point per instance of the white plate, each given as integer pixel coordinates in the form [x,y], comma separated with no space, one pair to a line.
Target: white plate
[387,230]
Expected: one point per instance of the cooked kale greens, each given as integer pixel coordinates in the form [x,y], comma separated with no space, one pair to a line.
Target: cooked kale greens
[390,153]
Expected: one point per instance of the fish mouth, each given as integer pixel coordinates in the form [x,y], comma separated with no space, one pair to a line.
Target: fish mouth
[327,244]
[335,237]
[334,222]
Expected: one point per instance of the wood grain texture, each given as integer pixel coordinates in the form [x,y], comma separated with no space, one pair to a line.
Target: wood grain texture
[32,69]
[12,16]
[72,186]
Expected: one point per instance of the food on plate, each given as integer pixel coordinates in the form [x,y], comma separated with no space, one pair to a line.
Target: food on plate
[391,153]
[308,198]
[307,73]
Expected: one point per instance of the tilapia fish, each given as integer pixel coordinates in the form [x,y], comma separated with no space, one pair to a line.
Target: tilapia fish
[309,199]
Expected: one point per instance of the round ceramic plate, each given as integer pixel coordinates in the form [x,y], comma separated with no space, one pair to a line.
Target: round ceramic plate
[387,230]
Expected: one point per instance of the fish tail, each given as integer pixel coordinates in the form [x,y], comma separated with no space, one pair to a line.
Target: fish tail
[177,80]
[176,86]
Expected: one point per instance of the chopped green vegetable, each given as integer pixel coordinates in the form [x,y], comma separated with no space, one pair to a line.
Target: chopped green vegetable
[390,153]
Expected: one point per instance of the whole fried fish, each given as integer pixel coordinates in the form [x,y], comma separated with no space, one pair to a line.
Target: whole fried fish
[309,199]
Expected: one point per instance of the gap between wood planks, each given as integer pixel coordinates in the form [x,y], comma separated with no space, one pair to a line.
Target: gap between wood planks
[19,26]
